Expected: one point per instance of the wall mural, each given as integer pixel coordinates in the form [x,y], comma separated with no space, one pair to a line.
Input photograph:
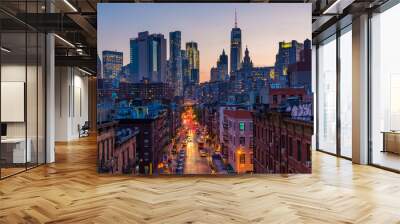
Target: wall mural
[204,88]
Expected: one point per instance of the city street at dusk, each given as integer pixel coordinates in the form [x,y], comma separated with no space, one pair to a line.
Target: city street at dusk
[209,102]
[190,138]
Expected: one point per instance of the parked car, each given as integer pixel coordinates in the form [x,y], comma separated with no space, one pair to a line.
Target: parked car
[203,153]
[179,170]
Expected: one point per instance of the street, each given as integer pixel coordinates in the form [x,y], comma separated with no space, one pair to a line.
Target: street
[194,163]
[193,155]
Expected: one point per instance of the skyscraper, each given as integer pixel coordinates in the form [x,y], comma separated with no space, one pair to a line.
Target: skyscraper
[149,57]
[193,55]
[288,53]
[236,47]
[185,70]
[112,64]
[99,67]
[175,60]
[214,73]
[247,63]
[222,66]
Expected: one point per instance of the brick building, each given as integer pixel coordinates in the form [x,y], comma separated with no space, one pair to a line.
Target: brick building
[238,139]
[146,91]
[281,144]
[281,95]
[116,148]
[152,139]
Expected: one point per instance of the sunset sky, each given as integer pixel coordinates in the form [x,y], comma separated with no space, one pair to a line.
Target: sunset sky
[263,26]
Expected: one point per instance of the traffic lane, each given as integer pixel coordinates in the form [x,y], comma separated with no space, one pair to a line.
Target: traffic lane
[194,163]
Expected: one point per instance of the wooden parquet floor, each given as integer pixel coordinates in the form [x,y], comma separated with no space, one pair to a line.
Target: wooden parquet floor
[70,191]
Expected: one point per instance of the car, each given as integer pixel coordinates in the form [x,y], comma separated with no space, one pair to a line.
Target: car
[180,160]
[203,153]
[179,170]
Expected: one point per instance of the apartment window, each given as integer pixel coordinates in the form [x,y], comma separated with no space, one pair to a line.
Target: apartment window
[290,147]
[242,158]
[242,140]
[258,132]
[241,126]
[123,160]
[275,99]
[106,148]
[270,136]
[308,147]
[265,134]
[298,150]
[102,151]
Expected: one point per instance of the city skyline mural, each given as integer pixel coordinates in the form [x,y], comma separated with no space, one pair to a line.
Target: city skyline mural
[211,32]
[204,88]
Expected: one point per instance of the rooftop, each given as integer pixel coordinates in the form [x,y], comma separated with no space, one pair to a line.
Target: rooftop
[238,114]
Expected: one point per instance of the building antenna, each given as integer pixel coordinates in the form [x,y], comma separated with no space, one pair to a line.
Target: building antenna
[235,19]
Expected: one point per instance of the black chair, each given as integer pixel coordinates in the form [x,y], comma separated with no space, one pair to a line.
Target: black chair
[84,130]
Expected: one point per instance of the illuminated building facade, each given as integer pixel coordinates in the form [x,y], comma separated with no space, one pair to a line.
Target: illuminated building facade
[288,53]
[300,72]
[193,55]
[238,137]
[112,64]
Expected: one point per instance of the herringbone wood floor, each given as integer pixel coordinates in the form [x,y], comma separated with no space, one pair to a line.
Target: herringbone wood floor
[70,191]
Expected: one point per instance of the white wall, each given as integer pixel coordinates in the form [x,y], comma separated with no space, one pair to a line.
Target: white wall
[71,102]
[33,126]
